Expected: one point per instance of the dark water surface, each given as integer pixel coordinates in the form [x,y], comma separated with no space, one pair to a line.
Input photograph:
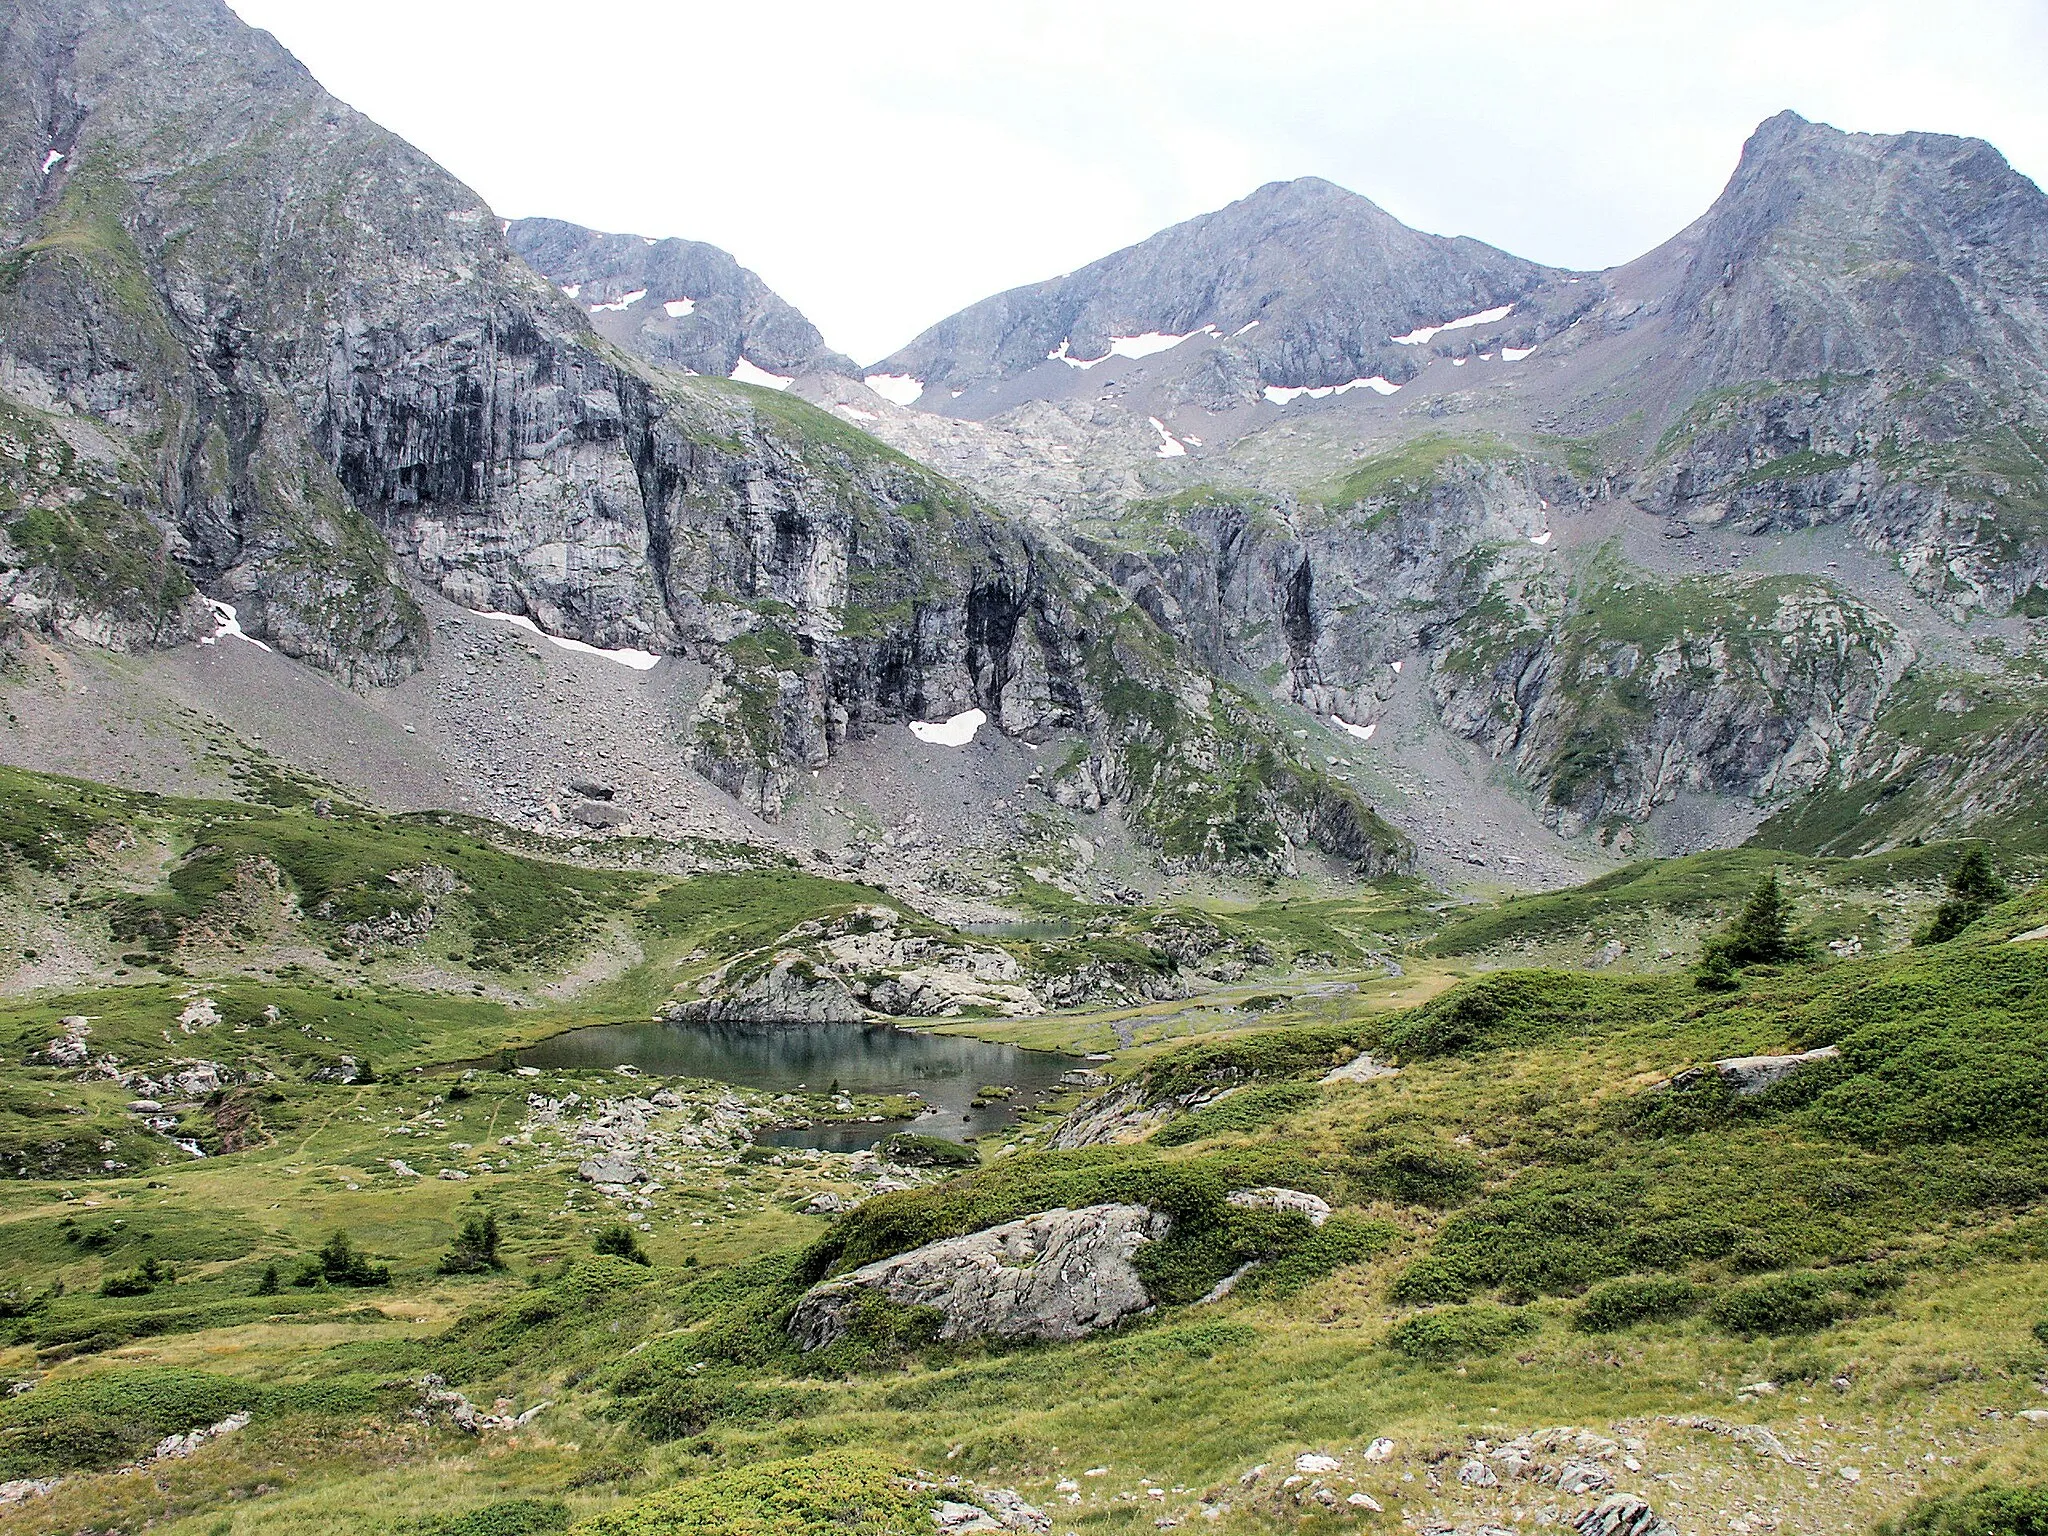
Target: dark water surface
[945,1070]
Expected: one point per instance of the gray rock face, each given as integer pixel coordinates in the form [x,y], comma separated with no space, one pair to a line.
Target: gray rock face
[1057,1275]
[1753,1074]
[787,990]
[1623,1514]
[1312,281]
[1872,311]
[298,348]
[698,310]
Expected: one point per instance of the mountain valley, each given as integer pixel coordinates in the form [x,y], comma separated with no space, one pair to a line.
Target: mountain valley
[1515,795]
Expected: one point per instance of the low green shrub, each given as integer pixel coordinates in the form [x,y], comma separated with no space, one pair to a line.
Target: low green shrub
[1795,1303]
[1455,1333]
[1248,1109]
[1623,1303]
[1994,1509]
[684,1406]
[110,1416]
[620,1241]
[1412,1168]
[507,1517]
[835,1493]
[915,1151]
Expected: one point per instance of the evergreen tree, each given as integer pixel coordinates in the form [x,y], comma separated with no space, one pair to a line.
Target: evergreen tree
[267,1286]
[1973,889]
[475,1249]
[1760,935]
[620,1242]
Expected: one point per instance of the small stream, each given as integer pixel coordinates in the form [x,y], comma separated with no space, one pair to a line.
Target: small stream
[945,1071]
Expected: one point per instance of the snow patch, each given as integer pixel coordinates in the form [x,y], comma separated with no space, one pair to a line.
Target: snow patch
[896,388]
[1540,539]
[1514,354]
[1395,665]
[956,732]
[675,309]
[51,160]
[1171,448]
[572,289]
[747,373]
[639,661]
[1281,394]
[1130,346]
[1243,328]
[1459,362]
[1422,333]
[229,624]
[621,304]
[649,240]
[857,413]
[1362,732]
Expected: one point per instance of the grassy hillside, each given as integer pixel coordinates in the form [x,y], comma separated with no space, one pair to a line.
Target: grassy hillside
[1532,1226]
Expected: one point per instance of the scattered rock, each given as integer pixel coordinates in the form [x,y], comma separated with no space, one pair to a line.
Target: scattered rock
[1381,1449]
[175,1446]
[1270,1198]
[1364,1070]
[1623,1514]
[1364,1501]
[20,1489]
[824,1203]
[608,1170]
[1058,1275]
[1012,1513]
[1583,1477]
[1314,1463]
[1477,1474]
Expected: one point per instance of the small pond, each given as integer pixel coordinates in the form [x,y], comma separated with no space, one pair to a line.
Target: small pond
[944,1070]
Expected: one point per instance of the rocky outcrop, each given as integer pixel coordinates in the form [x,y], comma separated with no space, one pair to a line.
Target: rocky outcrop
[1753,1074]
[1271,1198]
[1616,696]
[785,988]
[1058,1275]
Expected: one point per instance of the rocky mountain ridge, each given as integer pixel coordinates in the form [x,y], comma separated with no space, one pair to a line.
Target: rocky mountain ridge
[322,374]
[681,304]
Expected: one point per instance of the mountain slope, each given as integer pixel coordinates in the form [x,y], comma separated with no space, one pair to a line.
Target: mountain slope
[680,304]
[254,342]
[1313,283]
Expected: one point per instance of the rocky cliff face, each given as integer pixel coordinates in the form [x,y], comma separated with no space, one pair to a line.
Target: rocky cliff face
[1312,281]
[1860,322]
[307,368]
[1609,690]
[680,304]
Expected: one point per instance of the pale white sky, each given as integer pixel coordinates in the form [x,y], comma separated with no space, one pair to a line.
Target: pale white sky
[883,164]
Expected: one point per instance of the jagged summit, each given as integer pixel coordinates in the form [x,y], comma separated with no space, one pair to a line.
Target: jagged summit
[1314,282]
[1833,252]
[681,304]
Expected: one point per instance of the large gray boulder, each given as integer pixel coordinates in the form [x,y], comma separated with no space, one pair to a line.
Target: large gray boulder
[1058,1275]
[1753,1074]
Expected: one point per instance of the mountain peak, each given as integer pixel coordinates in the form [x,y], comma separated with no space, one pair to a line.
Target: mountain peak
[682,304]
[1326,276]
[1838,252]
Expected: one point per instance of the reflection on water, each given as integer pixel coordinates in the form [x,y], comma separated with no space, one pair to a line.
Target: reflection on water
[944,1070]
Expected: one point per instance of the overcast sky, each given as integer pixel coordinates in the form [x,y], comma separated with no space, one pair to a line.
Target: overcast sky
[883,164]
